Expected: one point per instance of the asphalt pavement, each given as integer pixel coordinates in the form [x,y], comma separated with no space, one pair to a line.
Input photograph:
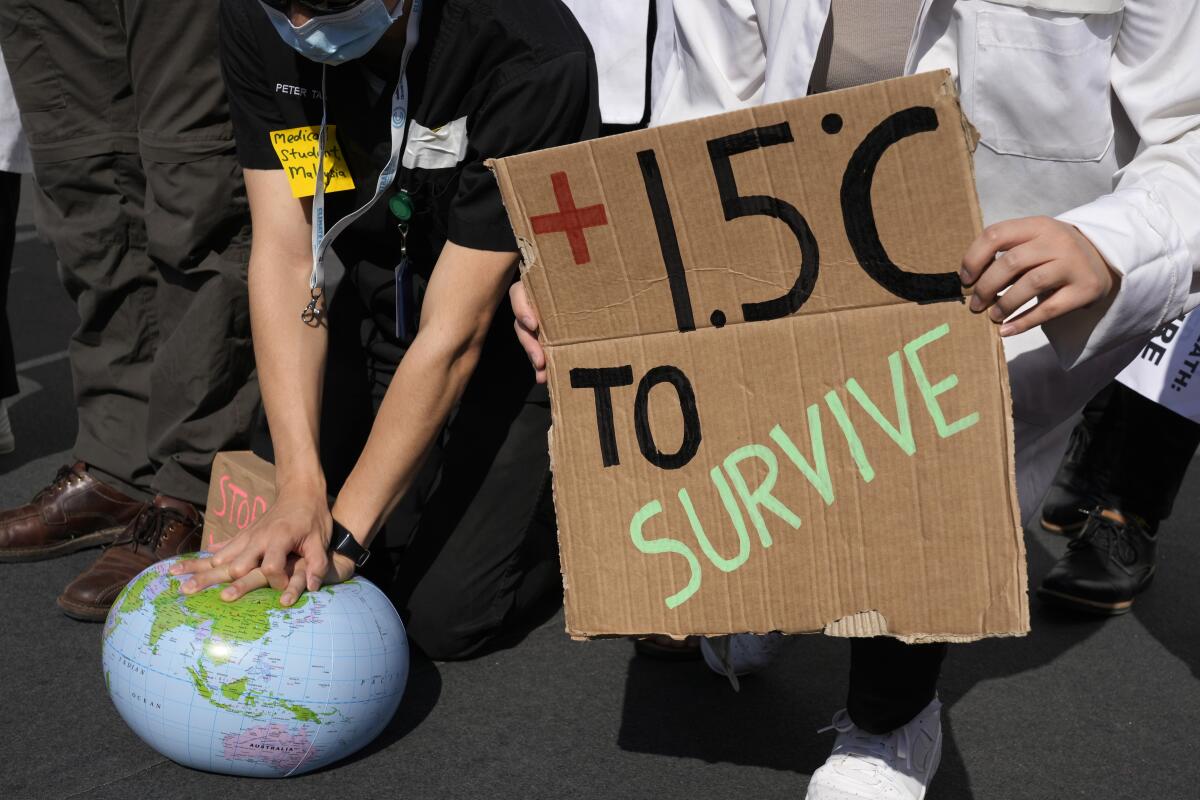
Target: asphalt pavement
[1106,710]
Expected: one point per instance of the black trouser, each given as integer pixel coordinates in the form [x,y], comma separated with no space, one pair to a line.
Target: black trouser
[1133,453]
[140,193]
[10,196]
[471,549]
[890,682]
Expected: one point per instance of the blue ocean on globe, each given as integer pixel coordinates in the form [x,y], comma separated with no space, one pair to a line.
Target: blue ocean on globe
[252,688]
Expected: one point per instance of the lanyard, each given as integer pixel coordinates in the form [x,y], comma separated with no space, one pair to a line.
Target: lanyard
[322,239]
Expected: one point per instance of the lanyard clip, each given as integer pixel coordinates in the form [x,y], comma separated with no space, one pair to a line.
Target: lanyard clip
[313,313]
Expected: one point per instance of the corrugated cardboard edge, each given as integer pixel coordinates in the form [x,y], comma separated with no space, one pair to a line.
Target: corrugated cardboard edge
[1021,578]
[868,622]
[558,530]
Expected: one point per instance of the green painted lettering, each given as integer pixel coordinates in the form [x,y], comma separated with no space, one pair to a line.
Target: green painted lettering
[901,433]
[851,433]
[665,545]
[761,497]
[735,514]
[930,391]
[818,472]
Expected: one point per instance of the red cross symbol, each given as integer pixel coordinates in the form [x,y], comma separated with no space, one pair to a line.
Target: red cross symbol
[569,219]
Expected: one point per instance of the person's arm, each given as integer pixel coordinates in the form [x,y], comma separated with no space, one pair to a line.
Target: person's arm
[547,105]
[289,353]
[1144,231]
[466,287]
[290,358]
[460,301]
[291,365]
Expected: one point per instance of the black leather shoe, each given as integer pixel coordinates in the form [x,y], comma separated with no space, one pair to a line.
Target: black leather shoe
[1074,491]
[1104,567]
[1065,511]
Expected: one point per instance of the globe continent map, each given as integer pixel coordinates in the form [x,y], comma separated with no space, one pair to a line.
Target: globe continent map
[251,687]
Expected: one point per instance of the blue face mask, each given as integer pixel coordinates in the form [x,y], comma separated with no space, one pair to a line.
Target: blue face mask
[340,37]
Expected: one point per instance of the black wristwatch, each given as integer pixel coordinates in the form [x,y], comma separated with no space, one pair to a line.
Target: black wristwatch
[343,542]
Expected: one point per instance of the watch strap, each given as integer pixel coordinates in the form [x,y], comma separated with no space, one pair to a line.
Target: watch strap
[343,542]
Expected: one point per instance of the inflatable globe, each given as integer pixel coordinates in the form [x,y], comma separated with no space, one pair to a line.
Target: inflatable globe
[253,688]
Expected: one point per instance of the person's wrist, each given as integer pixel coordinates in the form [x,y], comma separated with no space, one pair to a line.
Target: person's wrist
[342,565]
[348,544]
[1110,273]
[300,469]
[347,511]
[302,483]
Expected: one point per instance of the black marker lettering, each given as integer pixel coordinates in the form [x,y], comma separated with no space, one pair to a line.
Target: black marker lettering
[668,242]
[859,217]
[734,205]
[687,407]
[601,381]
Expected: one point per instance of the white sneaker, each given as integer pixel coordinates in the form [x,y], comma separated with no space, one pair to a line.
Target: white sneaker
[740,653]
[893,766]
[7,442]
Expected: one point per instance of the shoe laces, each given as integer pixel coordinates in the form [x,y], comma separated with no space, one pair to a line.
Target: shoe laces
[149,527]
[62,479]
[1108,534]
[854,741]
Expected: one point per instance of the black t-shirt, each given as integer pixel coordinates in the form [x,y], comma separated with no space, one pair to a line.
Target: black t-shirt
[488,78]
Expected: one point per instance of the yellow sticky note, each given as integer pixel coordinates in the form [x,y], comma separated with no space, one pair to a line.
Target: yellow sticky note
[297,151]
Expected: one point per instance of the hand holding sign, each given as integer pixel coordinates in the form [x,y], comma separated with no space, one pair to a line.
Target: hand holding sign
[1035,257]
[526,325]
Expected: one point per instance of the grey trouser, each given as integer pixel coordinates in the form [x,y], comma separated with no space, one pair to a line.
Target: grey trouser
[140,194]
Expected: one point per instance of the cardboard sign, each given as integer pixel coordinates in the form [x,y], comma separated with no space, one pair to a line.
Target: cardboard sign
[241,489]
[297,150]
[772,409]
[1165,369]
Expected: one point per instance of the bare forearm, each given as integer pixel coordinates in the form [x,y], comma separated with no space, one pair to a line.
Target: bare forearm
[291,361]
[460,302]
[428,382]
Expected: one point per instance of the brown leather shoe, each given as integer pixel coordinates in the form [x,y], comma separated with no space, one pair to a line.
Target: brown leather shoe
[167,527]
[74,512]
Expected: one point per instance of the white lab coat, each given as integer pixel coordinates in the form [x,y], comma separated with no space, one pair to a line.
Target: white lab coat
[712,56]
[1089,111]
[618,35]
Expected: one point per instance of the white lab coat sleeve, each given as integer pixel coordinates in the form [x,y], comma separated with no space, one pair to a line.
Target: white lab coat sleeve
[791,33]
[1148,228]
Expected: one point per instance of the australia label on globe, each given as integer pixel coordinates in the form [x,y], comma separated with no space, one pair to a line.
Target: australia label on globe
[251,687]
